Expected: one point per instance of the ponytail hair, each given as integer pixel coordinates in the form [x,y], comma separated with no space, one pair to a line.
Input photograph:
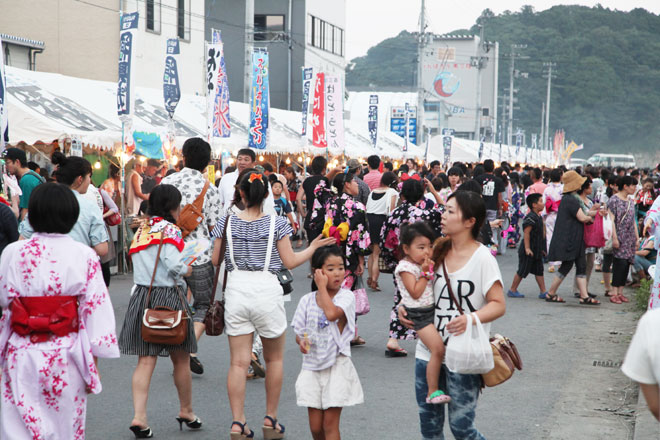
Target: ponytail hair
[70,168]
[255,188]
[341,180]
[164,199]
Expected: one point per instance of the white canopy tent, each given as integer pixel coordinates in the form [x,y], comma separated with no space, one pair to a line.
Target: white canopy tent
[44,107]
[465,150]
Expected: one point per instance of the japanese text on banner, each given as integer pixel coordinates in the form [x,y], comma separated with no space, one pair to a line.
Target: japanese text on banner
[259,101]
[335,114]
[318,113]
[307,74]
[373,119]
[127,36]
[171,88]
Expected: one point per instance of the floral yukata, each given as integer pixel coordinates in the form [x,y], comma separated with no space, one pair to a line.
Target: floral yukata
[552,196]
[423,211]
[45,384]
[654,214]
[344,209]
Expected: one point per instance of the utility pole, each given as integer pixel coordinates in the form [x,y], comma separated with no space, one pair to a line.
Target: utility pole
[420,85]
[542,146]
[513,73]
[480,63]
[289,43]
[249,45]
[547,103]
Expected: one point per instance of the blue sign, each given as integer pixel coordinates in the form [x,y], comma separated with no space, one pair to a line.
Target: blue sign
[447,131]
[259,101]
[171,88]
[307,75]
[398,122]
[446,143]
[373,119]
[129,22]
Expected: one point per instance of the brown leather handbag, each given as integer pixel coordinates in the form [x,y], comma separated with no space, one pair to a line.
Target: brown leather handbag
[215,315]
[505,353]
[162,325]
[192,215]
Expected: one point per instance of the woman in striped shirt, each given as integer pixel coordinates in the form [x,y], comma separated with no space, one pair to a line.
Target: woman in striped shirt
[258,247]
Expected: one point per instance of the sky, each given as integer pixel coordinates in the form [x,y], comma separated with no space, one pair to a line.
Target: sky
[368,22]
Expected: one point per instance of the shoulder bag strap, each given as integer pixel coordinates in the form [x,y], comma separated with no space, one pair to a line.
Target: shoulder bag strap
[450,290]
[153,275]
[223,250]
[271,238]
[199,201]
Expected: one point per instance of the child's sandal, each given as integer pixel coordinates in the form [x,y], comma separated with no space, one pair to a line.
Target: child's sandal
[438,397]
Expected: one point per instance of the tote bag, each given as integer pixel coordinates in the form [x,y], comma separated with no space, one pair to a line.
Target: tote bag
[594,235]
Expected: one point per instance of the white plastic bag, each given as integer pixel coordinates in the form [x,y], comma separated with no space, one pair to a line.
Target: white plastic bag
[470,352]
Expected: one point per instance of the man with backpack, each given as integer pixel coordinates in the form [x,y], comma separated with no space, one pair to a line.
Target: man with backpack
[197,192]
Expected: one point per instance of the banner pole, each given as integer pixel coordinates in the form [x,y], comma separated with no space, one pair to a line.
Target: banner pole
[123,268]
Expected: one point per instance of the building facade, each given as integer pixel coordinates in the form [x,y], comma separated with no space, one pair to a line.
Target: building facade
[81,39]
[459,75]
[296,33]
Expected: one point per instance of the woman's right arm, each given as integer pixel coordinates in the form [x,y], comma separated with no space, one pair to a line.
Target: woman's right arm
[215,258]
[291,259]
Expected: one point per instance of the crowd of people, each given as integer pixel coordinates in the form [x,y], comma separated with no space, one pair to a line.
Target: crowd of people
[433,228]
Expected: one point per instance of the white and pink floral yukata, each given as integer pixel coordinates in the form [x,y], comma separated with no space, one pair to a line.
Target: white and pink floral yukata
[552,195]
[45,384]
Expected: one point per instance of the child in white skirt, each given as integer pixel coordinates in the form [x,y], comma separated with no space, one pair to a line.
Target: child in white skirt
[324,324]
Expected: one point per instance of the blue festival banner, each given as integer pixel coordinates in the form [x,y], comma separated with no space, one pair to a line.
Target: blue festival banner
[446,143]
[259,100]
[481,149]
[307,75]
[373,119]
[4,120]
[407,128]
[171,88]
[127,35]
[217,86]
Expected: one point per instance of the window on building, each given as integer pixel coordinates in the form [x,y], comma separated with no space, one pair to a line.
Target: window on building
[325,36]
[152,14]
[183,19]
[268,27]
[431,107]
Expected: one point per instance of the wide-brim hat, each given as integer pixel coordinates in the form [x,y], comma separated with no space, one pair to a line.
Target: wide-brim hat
[572,181]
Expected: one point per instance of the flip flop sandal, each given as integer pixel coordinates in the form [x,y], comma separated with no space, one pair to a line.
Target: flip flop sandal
[438,398]
[624,298]
[554,299]
[543,295]
[615,299]
[358,341]
[589,301]
[607,294]
[396,352]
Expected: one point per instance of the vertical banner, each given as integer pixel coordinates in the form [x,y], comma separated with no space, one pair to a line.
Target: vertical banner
[518,143]
[4,115]
[318,113]
[373,119]
[406,131]
[127,36]
[446,143]
[217,89]
[259,101]
[500,159]
[481,148]
[307,73]
[171,88]
[334,104]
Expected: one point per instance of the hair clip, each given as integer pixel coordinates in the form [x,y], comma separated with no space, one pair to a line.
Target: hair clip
[346,169]
[255,176]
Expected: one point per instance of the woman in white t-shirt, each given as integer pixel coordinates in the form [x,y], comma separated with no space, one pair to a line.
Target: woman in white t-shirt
[477,283]
[380,204]
[642,363]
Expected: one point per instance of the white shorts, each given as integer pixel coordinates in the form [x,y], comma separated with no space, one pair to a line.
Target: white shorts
[253,302]
[335,387]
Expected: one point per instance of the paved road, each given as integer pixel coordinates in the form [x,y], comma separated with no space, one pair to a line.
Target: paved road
[560,394]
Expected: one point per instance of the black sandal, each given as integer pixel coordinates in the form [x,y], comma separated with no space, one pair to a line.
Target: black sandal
[140,432]
[589,301]
[592,295]
[240,435]
[554,298]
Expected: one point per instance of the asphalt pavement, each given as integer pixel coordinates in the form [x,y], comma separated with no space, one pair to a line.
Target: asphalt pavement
[570,387]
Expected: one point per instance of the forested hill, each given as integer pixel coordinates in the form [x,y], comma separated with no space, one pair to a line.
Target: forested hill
[606,93]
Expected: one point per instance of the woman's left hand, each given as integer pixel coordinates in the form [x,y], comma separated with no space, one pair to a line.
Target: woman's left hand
[360,269]
[457,325]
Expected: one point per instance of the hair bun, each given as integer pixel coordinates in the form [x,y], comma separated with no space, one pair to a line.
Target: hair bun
[58,158]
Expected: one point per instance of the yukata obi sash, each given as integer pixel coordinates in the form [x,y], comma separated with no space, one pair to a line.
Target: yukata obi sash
[53,323]
[41,317]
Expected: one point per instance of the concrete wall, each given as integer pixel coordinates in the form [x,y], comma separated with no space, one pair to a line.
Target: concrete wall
[80,39]
[150,50]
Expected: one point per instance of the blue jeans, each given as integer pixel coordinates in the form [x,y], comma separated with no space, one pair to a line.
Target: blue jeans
[641,263]
[464,392]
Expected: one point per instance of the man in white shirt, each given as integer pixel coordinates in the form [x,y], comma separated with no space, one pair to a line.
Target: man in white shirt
[642,363]
[245,159]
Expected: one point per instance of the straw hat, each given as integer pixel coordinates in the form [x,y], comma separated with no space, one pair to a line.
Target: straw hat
[572,181]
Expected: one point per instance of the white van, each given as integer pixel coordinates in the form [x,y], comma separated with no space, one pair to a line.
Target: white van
[612,160]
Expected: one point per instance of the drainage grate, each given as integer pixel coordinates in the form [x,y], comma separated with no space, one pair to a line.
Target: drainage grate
[607,364]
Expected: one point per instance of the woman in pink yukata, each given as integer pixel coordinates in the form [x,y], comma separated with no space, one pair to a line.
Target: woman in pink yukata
[57,320]
[552,195]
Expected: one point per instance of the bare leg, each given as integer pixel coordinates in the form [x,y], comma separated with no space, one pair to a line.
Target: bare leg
[393,344]
[183,383]
[140,384]
[316,423]
[556,282]
[376,269]
[331,423]
[273,356]
[516,282]
[240,348]
[607,278]
[541,282]
[433,341]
